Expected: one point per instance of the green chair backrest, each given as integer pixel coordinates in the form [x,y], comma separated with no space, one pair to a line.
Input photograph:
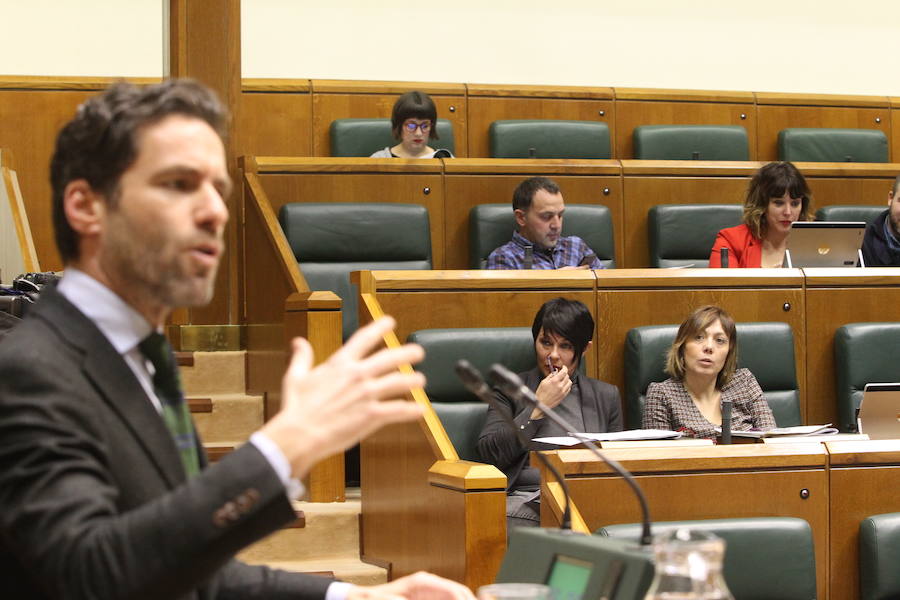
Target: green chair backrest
[832,145]
[331,240]
[683,234]
[850,212]
[492,225]
[461,413]
[767,349]
[362,137]
[863,353]
[691,142]
[549,139]
[879,557]
[765,557]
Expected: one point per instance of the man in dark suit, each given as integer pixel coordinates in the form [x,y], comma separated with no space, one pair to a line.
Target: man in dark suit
[104,490]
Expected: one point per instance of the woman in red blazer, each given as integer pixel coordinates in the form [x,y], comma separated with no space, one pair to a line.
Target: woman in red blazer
[778,196]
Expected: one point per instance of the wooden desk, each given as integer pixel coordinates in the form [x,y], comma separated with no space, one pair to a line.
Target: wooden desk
[864,481]
[752,480]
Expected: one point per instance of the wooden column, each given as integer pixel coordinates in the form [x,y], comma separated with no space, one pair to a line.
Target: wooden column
[204,43]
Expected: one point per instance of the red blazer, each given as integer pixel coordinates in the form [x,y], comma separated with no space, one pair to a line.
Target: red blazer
[744,250]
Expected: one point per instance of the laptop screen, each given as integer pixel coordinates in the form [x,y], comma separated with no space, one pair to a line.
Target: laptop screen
[824,244]
[879,411]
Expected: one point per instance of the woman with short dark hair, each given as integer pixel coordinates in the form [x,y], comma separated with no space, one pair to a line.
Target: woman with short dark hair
[777,196]
[414,124]
[702,362]
[562,332]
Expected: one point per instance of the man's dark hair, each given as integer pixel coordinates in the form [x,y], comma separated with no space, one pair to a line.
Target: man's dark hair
[896,185]
[100,142]
[569,319]
[414,105]
[524,192]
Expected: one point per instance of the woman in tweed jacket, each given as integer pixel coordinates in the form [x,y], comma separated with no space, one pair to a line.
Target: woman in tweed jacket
[702,363]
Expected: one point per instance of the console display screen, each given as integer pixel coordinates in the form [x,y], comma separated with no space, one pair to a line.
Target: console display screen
[569,577]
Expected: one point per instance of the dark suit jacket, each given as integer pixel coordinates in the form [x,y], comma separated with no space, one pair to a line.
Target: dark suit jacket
[94,502]
[498,445]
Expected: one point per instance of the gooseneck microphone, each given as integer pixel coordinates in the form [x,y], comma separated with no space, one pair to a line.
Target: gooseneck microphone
[511,385]
[476,384]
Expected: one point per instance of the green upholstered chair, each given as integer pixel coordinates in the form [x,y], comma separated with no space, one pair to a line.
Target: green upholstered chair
[863,353]
[491,226]
[832,145]
[683,234]
[850,212]
[765,557]
[879,557]
[767,349]
[549,139]
[691,142]
[362,137]
[330,240]
[461,413]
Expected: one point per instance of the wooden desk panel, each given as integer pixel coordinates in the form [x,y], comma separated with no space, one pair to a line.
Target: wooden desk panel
[704,483]
[413,187]
[375,100]
[865,479]
[275,124]
[29,123]
[473,182]
[627,300]
[773,118]
[835,297]
[484,110]
[633,113]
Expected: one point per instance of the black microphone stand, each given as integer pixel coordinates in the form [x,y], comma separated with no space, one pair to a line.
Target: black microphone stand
[512,385]
[476,384]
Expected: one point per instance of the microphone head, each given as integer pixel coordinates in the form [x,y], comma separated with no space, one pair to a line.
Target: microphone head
[442,153]
[505,379]
[471,378]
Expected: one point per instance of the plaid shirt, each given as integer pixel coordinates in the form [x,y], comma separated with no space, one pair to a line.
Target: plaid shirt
[568,252]
[669,406]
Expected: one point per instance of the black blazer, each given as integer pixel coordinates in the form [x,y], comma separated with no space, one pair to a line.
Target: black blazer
[498,445]
[94,501]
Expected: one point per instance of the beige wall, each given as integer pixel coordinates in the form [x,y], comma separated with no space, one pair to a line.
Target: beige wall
[829,46]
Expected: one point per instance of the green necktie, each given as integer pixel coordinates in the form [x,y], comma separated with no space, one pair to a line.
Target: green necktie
[175,411]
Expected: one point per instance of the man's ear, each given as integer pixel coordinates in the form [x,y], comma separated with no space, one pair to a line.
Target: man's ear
[84,208]
[890,197]
[587,347]
[520,217]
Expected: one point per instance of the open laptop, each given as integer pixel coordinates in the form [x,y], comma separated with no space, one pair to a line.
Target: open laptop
[825,244]
[879,411]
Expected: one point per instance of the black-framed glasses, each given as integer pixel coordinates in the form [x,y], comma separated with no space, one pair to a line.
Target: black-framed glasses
[423,127]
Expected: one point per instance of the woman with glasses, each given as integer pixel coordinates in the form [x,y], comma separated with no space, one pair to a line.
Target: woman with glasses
[413,122]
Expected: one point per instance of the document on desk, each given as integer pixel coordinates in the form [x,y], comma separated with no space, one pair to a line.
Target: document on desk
[631,434]
[800,430]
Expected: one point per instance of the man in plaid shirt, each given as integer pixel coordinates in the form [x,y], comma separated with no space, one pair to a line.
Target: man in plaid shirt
[539,244]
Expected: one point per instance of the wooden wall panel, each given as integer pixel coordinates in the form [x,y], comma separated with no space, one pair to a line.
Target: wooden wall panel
[774,118]
[849,297]
[632,113]
[344,100]
[275,124]
[29,123]
[365,187]
[463,191]
[484,110]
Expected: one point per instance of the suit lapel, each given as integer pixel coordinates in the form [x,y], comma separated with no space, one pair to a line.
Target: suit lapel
[115,383]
